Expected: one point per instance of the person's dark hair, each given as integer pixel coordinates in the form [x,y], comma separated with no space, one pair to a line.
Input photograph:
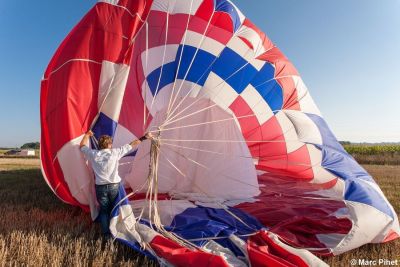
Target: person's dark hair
[105,141]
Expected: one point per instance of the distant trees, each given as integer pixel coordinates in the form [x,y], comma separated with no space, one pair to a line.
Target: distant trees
[345,143]
[32,145]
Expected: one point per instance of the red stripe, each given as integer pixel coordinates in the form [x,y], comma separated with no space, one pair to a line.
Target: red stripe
[263,251]
[288,208]
[69,95]
[181,256]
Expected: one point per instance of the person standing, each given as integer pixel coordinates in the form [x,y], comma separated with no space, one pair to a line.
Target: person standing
[105,163]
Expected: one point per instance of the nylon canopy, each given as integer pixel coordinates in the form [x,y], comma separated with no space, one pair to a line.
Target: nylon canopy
[243,169]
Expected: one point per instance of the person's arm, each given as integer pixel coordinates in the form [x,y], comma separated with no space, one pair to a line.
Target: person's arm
[85,139]
[122,151]
[141,139]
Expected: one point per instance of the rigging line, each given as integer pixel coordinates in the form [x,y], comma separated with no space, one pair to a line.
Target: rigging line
[180,56]
[128,196]
[146,84]
[194,85]
[218,237]
[277,78]
[256,186]
[211,106]
[192,60]
[296,163]
[207,122]
[162,64]
[176,168]
[187,158]
[220,204]
[208,92]
[289,163]
[248,113]
[191,114]
[168,121]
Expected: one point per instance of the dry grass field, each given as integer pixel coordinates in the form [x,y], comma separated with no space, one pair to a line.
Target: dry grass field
[37,229]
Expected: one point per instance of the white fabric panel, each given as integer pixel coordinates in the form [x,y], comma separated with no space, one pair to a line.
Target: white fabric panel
[219,91]
[209,45]
[289,132]
[168,209]
[177,6]
[230,258]
[307,104]
[320,174]
[123,136]
[223,176]
[237,45]
[113,80]
[306,129]
[112,2]
[241,16]
[77,175]
[330,240]
[155,57]
[123,225]
[364,229]
[254,38]
[164,94]
[255,101]
[305,255]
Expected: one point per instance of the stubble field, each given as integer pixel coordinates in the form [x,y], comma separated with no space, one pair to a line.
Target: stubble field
[37,229]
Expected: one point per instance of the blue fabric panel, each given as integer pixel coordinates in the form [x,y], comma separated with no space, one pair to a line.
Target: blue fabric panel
[268,87]
[103,126]
[200,69]
[342,164]
[132,154]
[336,160]
[360,191]
[134,245]
[227,67]
[265,74]
[328,139]
[167,77]
[227,7]
[272,94]
[202,222]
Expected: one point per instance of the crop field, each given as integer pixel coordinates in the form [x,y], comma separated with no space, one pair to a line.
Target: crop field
[375,154]
[37,229]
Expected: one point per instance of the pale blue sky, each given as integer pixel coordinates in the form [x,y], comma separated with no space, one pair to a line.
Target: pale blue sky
[347,51]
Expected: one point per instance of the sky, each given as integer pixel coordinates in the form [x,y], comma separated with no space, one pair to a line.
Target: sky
[347,52]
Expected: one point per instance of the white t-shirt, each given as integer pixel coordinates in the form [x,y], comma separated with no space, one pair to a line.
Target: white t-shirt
[105,163]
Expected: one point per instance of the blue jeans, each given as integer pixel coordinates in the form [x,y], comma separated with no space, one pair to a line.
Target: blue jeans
[106,195]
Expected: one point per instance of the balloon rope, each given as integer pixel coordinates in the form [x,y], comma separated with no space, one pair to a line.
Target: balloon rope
[292,163]
[171,119]
[146,84]
[205,123]
[152,196]
[191,62]
[180,56]
[206,194]
[252,185]
[208,92]
[194,85]
[162,63]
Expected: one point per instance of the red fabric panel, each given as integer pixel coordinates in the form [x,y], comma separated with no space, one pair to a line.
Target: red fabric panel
[71,102]
[263,251]
[391,236]
[290,96]
[181,256]
[222,35]
[267,43]
[69,92]
[288,208]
